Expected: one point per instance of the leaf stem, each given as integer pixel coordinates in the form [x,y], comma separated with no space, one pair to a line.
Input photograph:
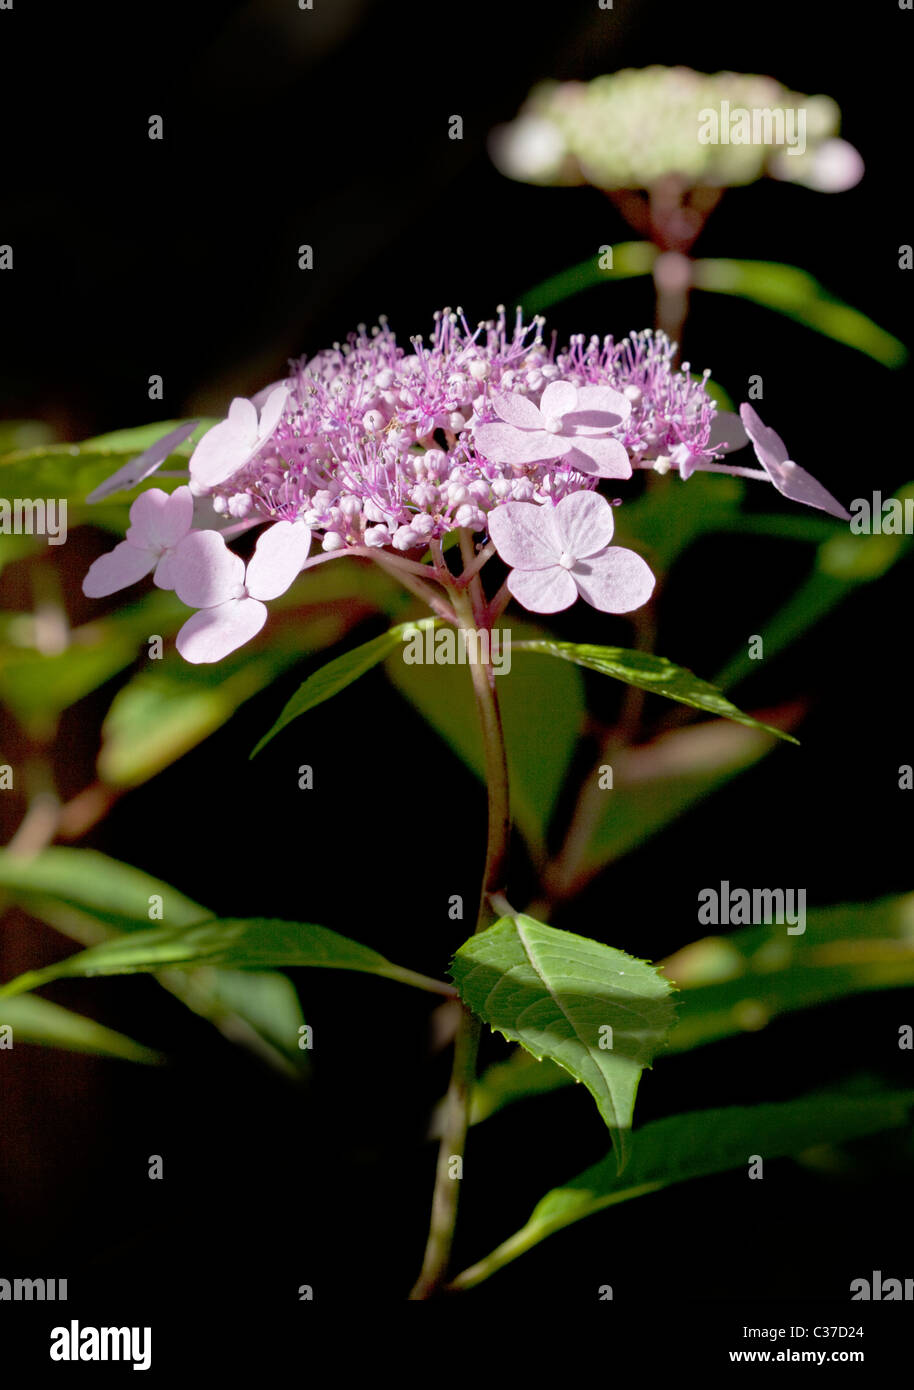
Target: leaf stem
[457,1102]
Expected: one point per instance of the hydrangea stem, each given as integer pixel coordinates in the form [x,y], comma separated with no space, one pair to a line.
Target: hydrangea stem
[466,1043]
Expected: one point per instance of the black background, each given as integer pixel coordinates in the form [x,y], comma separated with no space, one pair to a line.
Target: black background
[179,257]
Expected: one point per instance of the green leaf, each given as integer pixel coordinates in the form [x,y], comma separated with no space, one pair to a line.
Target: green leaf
[342,671]
[741,982]
[654,674]
[71,471]
[170,707]
[542,711]
[657,782]
[256,943]
[38,686]
[796,294]
[630,258]
[695,1145]
[597,1012]
[88,897]
[267,1001]
[35,1020]
[24,434]
[115,893]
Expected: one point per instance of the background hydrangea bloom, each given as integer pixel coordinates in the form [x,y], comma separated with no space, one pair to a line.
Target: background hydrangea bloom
[630,129]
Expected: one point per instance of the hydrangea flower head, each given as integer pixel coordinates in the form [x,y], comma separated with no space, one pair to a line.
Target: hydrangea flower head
[369,447]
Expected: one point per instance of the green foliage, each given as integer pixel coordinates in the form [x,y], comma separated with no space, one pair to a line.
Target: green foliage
[741,982]
[799,296]
[599,1013]
[37,686]
[843,562]
[656,783]
[255,943]
[629,258]
[35,1020]
[651,673]
[695,1145]
[329,680]
[168,708]
[671,514]
[542,711]
[90,898]
[72,471]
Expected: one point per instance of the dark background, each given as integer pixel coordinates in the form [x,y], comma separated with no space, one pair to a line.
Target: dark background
[179,257]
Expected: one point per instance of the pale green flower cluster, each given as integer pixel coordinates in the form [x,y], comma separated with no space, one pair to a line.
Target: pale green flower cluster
[632,128]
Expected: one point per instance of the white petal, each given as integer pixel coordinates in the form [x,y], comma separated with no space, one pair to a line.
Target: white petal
[271,414]
[204,571]
[278,557]
[584,523]
[543,591]
[213,633]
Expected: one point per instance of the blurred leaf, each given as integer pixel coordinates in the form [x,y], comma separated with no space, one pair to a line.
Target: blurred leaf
[267,1000]
[796,294]
[172,705]
[657,782]
[14,548]
[256,943]
[695,1145]
[71,471]
[115,893]
[599,1013]
[35,1020]
[542,710]
[843,562]
[651,673]
[167,709]
[336,675]
[87,896]
[136,439]
[38,685]
[630,258]
[740,982]
[24,434]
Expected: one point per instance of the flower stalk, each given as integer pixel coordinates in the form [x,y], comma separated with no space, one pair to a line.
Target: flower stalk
[466,1044]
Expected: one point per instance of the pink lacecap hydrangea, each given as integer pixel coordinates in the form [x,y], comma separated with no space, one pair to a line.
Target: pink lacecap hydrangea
[371,445]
